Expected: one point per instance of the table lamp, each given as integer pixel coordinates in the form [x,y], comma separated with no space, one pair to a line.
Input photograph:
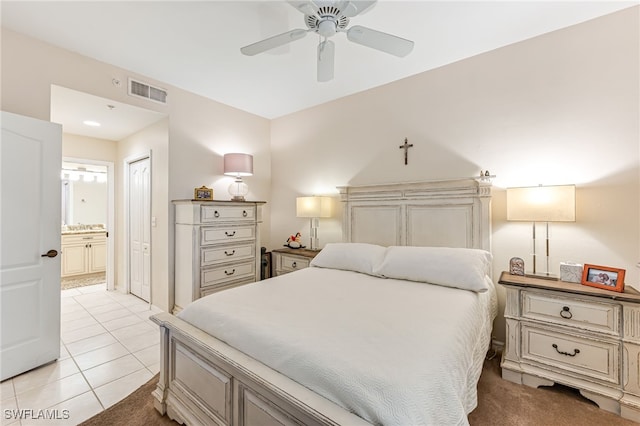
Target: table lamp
[238,165]
[314,208]
[542,204]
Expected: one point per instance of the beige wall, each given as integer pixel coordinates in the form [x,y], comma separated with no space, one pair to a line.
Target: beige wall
[87,148]
[557,109]
[199,132]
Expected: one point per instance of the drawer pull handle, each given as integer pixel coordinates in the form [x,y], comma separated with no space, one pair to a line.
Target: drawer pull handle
[244,213]
[230,273]
[230,254]
[294,265]
[216,214]
[229,234]
[575,351]
[566,313]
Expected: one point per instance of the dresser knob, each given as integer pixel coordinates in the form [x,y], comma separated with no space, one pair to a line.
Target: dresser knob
[230,254]
[566,313]
[230,273]
[294,265]
[244,213]
[229,234]
[216,214]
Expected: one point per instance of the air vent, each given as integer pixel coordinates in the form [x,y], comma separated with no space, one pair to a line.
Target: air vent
[144,90]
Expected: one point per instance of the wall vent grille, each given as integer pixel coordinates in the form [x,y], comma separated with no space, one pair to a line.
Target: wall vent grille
[146,91]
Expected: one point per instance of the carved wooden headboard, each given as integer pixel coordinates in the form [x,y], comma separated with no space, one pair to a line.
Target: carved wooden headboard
[448,213]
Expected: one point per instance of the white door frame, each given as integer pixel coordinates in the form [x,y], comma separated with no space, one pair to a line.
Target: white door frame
[111,247]
[127,164]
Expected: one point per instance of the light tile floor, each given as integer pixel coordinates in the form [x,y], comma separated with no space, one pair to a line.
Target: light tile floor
[109,348]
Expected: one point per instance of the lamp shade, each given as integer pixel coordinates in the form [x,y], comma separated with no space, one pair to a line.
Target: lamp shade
[238,164]
[313,206]
[542,203]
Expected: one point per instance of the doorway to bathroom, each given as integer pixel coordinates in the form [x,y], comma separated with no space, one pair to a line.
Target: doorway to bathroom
[87,216]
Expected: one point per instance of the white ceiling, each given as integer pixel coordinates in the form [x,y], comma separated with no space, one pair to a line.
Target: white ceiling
[196,45]
[116,120]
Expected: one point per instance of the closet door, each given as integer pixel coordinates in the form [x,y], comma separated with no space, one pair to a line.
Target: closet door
[140,228]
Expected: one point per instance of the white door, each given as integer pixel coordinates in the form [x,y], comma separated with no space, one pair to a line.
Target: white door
[140,228]
[30,161]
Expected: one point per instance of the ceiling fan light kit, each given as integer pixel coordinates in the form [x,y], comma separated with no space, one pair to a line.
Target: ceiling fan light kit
[326,18]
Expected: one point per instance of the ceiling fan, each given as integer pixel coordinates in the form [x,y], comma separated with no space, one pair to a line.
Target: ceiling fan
[326,18]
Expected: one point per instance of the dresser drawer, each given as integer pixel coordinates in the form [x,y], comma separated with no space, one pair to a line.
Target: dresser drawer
[603,317]
[83,238]
[228,253]
[213,235]
[222,274]
[292,263]
[212,214]
[597,359]
[224,286]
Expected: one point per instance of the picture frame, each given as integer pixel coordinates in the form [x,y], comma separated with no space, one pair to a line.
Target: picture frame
[603,277]
[203,194]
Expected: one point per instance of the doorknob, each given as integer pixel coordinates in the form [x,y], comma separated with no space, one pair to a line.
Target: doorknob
[50,253]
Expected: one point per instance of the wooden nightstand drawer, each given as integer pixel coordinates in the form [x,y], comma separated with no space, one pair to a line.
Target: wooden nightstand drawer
[213,214]
[213,235]
[287,260]
[574,312]
[223,274]
[213,255]
[598,359]
[293,263]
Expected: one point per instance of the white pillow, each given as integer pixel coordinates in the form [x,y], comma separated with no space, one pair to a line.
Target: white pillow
[358,257]
[451,267]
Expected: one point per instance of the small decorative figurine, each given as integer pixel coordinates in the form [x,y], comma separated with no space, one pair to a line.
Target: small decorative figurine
[516,266]
[294,241]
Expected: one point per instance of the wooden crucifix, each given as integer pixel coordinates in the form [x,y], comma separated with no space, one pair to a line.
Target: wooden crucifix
[406,147]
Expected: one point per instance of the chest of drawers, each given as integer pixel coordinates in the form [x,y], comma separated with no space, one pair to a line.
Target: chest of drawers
[579,336]
[217,246]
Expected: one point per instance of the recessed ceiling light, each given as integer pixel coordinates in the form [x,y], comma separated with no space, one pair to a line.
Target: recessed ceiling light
[91,123]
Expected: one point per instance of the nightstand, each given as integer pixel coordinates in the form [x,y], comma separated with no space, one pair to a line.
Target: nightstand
[287,260]
[579,336]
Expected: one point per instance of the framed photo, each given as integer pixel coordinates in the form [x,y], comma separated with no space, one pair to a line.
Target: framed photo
[203,194]
[603,277]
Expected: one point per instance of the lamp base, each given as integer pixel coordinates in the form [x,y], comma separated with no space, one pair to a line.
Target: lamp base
[238,189]
[542,275]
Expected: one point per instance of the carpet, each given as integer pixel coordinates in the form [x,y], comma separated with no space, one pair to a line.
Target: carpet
[500,403]
[83,280]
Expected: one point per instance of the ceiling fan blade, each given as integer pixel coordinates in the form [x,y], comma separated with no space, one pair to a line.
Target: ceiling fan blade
[273,42]
[307,7]
[381,41]
[326,55]
[353,8]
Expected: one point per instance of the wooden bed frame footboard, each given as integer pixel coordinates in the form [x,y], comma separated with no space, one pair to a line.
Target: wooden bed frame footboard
[204,381]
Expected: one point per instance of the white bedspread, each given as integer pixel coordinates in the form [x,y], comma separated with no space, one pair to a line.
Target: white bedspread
[393,352]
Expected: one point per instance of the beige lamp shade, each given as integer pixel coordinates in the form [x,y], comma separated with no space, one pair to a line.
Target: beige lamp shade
[238,164]
[313,206]
[542,203]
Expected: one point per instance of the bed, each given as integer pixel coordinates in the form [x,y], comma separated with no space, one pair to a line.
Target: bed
[371,333]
